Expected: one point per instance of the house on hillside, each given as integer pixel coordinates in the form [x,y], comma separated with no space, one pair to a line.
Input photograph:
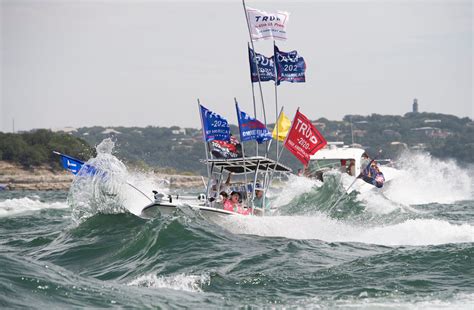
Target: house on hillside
[433,132]
[111,131]
[179,131]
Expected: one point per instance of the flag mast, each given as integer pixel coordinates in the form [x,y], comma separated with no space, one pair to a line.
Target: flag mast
[205,149]
[276,94]
[256,64]
[253,98]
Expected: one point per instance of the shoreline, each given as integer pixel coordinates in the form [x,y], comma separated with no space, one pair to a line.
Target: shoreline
[42,178]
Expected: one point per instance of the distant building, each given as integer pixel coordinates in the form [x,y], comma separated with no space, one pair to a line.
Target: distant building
[110,131]
[432,121]
[180,131]
[415,105]
[64,129]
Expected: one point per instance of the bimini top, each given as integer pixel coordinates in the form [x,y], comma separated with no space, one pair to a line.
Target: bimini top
[238,165]
[332,152]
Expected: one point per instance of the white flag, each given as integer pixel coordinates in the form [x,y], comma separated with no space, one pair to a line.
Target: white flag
[264,25]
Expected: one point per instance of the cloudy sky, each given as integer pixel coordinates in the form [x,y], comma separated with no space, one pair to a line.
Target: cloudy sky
[140,63]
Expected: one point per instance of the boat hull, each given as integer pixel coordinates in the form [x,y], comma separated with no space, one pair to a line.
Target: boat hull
[157,209]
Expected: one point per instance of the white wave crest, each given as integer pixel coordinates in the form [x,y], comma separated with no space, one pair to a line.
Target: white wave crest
[410,232]
[294,187]
[182,282]
[424,179]
[16,206]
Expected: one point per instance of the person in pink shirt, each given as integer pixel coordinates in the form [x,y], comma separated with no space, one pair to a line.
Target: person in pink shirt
[234,205]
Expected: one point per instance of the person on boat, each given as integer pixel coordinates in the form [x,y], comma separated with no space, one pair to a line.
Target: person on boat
[223,198]
[373,175]
[258,200]
[343,165]
[224,187]
[351,168]
[364,161]
[233,204]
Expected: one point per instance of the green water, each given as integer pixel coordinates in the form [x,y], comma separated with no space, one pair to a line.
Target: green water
[291,260]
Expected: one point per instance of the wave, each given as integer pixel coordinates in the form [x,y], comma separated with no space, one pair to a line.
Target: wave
[17,206]
[424,179]
[409,232]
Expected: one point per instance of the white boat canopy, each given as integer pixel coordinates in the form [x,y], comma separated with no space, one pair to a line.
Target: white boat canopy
[250,164]
[338,153]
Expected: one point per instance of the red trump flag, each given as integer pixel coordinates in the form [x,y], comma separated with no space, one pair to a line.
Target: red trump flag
[304,139]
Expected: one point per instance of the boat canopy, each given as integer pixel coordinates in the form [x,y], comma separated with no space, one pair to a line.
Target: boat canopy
[338,153]
[250,164]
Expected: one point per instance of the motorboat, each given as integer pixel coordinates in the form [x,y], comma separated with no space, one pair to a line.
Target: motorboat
[248,174]
[347,161]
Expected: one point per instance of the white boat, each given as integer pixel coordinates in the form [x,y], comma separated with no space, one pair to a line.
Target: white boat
[336,158]
[247,173]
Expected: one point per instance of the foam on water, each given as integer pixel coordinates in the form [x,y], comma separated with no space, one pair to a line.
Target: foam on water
[16,206]
[424,179]
[458,301]
[182,282]
[409,232]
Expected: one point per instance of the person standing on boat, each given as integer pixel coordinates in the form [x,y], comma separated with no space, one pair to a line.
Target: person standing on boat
[233,204]
[258,199]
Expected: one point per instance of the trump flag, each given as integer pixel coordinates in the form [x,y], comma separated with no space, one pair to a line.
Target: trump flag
[266,68]
[267,25]
[304,139]
[215,127]
[250,128]
[290,67]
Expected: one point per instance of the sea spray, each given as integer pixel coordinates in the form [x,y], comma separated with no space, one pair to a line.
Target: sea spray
[424,179]
[111,189]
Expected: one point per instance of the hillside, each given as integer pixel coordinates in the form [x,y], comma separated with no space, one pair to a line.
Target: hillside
[179,150]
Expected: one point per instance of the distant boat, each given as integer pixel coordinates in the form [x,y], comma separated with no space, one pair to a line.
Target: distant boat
[3,187]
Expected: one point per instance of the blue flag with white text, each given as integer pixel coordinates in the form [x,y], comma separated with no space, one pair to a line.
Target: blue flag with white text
[75,165]
[215,127]
[265,67]
[250,128]
[71,164]
[290,66]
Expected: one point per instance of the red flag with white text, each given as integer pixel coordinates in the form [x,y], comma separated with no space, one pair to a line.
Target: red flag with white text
[304,139]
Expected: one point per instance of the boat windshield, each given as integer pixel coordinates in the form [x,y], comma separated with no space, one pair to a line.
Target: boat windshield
[325,164]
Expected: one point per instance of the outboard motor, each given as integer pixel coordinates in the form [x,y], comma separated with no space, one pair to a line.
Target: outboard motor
[158,196]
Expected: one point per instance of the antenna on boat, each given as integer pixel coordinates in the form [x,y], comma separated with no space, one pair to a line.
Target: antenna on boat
[352,131]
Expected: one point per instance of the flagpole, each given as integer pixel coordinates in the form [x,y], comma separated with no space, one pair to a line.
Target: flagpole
[243,149]
[254,104]
[256,63]
[276,93]
[205,149]
[279,155]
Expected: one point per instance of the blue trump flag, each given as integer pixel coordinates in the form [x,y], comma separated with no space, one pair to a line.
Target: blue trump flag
[75,165]
[290,67]
[265,67]
[71,164]
[250,128]
[215,127]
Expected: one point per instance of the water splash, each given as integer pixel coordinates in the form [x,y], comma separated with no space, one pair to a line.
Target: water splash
[182,282]
[113,189]
[424,179]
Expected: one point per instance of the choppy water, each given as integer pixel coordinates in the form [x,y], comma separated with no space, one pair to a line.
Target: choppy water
[405,247]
